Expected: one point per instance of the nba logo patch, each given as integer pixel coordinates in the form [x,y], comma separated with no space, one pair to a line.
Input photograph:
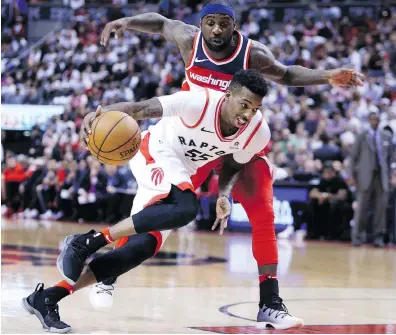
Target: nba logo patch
[235,146]
[157,175]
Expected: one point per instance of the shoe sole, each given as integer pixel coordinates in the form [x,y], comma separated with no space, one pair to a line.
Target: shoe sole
[31,310]
[270,325]
[59,260]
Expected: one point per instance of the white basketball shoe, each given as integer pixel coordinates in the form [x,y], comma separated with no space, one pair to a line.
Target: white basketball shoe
[276,316]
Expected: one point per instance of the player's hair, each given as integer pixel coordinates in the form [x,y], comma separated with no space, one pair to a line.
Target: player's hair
[252,80]
[217,2]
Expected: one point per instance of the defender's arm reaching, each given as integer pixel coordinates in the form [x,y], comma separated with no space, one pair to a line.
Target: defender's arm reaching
[174,31]
[262,59]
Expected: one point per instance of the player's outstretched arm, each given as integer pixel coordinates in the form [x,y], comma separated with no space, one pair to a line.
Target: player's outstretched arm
[188,105]
[147,109]
[173,31]
[262,59]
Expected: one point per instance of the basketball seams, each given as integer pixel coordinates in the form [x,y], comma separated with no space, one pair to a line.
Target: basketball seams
[101,158]
[107,152]
[93,133]
[109,132]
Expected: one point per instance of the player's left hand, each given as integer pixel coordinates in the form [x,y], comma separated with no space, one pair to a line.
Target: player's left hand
[346,78]
[223,212]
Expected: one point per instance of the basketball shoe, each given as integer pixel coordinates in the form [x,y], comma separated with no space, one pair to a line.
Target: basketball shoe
[101,295]
[274,315]
[46,311]
[76,250]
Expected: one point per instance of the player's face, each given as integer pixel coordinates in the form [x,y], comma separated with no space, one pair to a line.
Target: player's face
[217,30]
[242,106]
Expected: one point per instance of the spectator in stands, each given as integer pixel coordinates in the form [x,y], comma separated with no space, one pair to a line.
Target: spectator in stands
[28,189]
[337,125]
[13,175]
[65,195]
[81,176]
[328,151]
[331,206]
[47,190]
[116,190]
[92,193]
[307,173]
[299,161]
[370,165]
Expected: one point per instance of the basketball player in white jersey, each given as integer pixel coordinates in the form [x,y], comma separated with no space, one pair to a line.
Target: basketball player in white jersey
[212,54]
[168,158]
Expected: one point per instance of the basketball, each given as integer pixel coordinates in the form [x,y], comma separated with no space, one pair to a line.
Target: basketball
[115,138]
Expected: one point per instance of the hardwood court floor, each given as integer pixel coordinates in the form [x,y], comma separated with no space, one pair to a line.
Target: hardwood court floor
[203,283]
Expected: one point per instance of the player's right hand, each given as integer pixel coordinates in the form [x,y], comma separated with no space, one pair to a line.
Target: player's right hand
[223,212]
[118,27]
[85,129]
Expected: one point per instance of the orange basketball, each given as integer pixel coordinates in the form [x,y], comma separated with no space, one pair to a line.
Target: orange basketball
[115,138]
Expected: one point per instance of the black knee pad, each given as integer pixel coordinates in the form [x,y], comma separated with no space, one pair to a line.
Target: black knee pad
[187,205]
[189,213]
[177,210]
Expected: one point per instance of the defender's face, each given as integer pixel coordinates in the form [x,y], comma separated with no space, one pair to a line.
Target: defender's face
[217,30]
[242,106]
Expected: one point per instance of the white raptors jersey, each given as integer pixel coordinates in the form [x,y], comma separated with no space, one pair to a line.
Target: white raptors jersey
[190,130]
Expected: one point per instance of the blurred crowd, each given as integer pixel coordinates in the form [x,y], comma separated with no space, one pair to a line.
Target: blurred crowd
[59,180]
[312,128]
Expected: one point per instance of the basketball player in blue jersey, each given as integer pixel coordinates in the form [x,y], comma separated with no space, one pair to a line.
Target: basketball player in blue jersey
[212,55]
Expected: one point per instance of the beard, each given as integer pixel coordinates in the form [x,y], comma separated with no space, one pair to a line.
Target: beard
[218,47]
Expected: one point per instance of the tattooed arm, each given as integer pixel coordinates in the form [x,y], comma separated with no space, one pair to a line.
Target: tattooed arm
[262,59]
[138,110]
[174,31]
[147,109]
[186,104]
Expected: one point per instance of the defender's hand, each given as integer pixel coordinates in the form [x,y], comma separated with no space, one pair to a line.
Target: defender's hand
[118,27]
[223,212]
[85,129]
[346,78]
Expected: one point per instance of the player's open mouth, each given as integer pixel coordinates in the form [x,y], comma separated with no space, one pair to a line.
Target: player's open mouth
[240,122]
